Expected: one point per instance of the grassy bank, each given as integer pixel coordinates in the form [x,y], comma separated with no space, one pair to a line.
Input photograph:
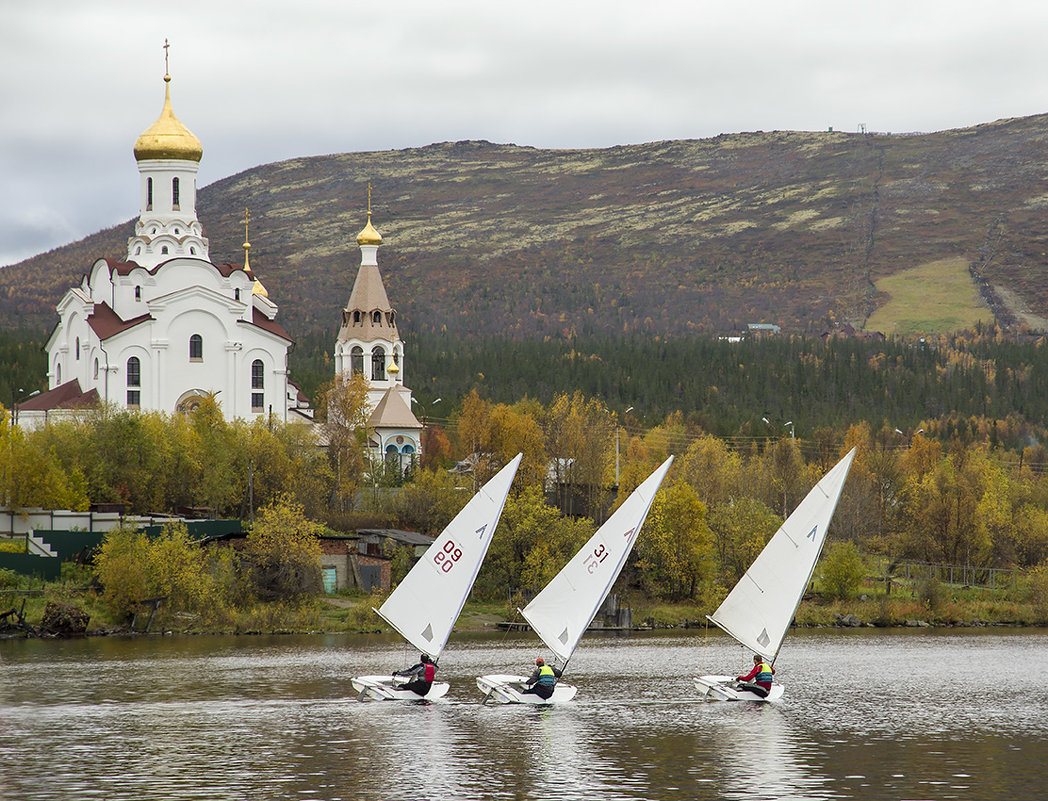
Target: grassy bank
[351,612]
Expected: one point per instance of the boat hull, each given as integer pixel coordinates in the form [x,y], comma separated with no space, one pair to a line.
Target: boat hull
[727,688]
[384,688]
[506,689]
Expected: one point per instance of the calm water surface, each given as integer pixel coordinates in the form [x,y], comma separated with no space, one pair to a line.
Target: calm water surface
[868,715]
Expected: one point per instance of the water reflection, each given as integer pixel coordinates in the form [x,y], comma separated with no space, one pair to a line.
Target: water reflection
[866,716]
[762,756]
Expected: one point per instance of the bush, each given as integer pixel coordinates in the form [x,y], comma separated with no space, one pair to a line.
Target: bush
[931,592]
[283,552]
[842,570]
[191,579]
[1038,584]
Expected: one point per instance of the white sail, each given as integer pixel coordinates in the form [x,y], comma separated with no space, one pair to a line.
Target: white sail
[758,611]
[562,612]
[425,605]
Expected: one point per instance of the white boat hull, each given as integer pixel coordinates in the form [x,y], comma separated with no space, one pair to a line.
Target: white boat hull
[506,689]
[385,688]
[727,688]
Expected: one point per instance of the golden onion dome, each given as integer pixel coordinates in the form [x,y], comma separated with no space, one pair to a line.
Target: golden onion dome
[369,236]
[392,369]
[168,138]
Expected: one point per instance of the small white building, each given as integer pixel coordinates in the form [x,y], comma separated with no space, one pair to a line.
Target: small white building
[166,327]
[368,343]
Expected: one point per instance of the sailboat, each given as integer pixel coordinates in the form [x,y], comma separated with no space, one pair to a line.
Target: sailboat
[425,605]
[759,609]
[563,610]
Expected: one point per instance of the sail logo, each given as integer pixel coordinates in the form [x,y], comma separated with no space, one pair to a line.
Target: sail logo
[629,533]
[811,534]
[480,531]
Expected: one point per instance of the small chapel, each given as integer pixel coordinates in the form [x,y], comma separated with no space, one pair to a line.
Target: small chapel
[165,327]
[368,343]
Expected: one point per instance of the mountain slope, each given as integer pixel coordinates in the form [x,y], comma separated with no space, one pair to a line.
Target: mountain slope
[666,238]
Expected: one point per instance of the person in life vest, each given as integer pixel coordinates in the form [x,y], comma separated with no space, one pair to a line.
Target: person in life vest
[543,680]
[758,680]
[423,674]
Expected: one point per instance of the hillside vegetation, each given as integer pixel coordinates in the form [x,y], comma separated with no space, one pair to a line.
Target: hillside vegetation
[804,230]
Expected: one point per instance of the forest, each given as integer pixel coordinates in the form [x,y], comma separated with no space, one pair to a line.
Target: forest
[956,494]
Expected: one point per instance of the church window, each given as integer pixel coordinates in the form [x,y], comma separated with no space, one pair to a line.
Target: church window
[78,348]
[356,316]
[258,381]
[138,251]
[138,293]
[96,369]
[376,318]
[196,348]
[378,365]
[134,382]
[356,359]
[192,251]
[236,294]
[163,250]
[149,194]
[58,373]
[174,193]
[178,232]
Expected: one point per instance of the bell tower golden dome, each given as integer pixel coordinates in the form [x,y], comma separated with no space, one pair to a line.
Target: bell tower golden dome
[168,138]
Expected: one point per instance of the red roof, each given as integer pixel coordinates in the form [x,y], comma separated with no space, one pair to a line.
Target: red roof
[272,326]
[105,322]
[65,396]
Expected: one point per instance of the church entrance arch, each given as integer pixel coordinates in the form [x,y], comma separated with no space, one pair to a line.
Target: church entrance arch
[190,400]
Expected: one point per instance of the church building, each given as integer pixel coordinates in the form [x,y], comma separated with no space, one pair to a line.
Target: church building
[368,343]
[165,327]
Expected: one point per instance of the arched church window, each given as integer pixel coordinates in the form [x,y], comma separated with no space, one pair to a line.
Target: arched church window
[236,294]
[138,293]
[174,193]
[149,194]
[376,318]
[134,382]
[356,316]
[96,369]
[378,365]
[163,250]
[196,348]
[356,359]
[258,383]
[78,348]
[58,373]
[192,250]
[138,251]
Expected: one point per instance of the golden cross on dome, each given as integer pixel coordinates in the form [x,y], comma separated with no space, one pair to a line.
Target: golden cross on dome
[247,216]
[369,199]
[167,70]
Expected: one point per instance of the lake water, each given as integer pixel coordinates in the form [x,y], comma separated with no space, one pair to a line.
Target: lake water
[868,714]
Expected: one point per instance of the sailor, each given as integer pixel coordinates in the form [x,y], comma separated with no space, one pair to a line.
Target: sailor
[423,673]
[543,680]
[758,680]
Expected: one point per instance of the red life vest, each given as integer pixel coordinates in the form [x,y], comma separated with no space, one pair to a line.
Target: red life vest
[431,672]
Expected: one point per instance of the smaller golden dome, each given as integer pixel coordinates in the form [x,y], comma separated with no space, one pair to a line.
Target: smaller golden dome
[369,236]
[393,369]
[168,138]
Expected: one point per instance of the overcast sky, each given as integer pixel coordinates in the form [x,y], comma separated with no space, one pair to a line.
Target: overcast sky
[267,80]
